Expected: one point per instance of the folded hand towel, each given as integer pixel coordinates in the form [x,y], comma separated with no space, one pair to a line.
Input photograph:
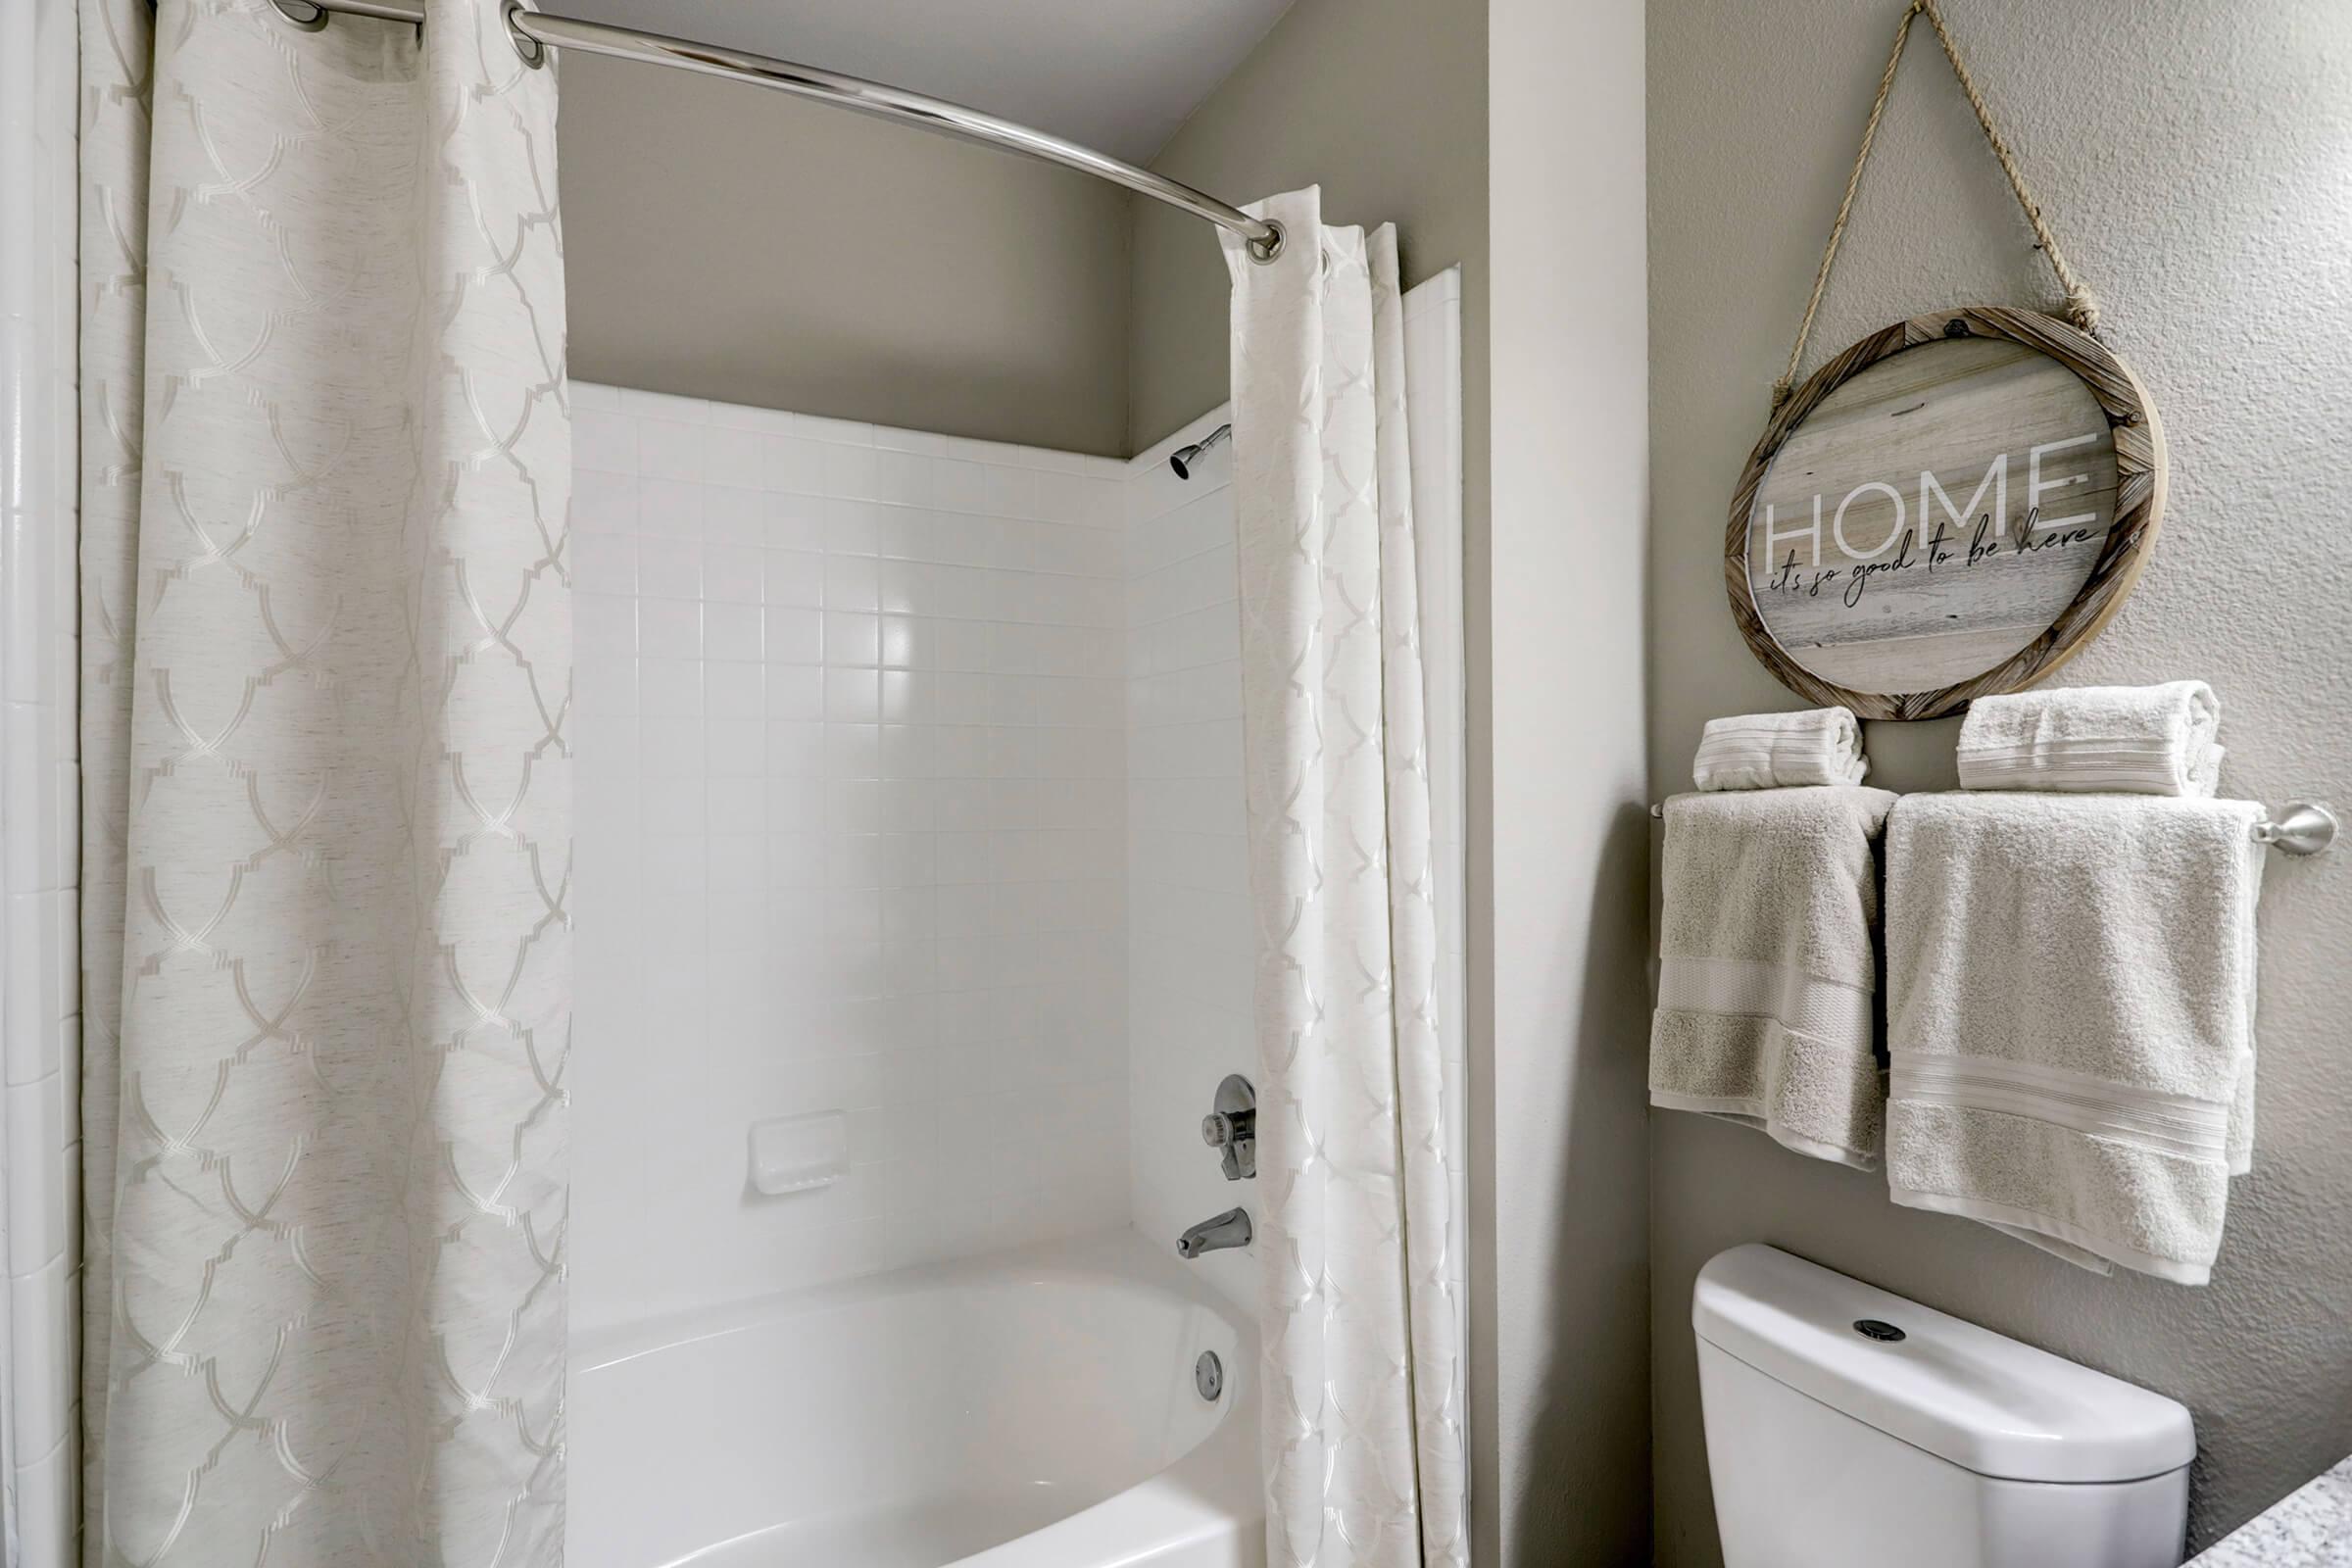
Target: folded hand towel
[2139,740]
[2070,1004]
[1767,967]
[1777,751]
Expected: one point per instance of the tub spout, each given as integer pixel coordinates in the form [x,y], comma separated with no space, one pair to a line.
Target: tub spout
[1229,1229]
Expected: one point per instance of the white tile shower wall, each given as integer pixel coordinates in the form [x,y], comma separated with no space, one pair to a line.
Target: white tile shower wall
[40,1058]
[1190,951]
[851,836]
[1190,947]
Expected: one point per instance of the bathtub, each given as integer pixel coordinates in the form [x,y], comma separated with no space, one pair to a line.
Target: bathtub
[1031,1409]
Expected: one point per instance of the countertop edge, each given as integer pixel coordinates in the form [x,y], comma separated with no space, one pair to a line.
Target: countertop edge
[2311,1527]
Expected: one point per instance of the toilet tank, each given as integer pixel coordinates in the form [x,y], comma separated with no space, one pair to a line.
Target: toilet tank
[1847,1426]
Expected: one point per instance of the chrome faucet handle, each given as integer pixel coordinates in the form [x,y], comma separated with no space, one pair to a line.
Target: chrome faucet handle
[1232,1126]
[1220,1129]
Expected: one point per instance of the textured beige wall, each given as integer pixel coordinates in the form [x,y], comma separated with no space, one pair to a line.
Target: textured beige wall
[724,242]
[2195,156]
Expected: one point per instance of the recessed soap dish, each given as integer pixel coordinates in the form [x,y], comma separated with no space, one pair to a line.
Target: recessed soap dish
[799,1154]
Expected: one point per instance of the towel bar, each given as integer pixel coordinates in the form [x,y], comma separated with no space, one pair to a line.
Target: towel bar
[2303,828]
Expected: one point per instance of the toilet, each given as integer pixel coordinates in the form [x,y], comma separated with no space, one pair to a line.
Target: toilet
[1849,1427]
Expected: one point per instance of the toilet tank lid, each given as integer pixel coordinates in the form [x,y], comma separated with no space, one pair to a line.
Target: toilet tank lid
[1964,1393]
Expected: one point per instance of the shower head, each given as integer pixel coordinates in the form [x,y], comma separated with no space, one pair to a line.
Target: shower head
[1183,457]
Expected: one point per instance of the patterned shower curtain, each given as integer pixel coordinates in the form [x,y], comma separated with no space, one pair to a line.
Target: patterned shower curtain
[1361,1403]
[327,823]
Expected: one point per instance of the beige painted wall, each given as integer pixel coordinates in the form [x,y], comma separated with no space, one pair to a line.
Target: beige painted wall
[724,242]
[1383,104]
[2196,158]
[1565,1320]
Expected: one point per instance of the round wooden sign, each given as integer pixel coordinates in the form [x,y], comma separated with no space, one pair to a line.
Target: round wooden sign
[1951,508]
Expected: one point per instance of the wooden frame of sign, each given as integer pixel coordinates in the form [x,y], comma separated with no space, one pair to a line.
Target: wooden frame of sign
[1951,508]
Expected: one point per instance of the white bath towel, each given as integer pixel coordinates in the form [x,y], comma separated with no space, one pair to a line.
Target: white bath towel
[1779,751]
[2139,740]
[1767,967]
[2070,1002]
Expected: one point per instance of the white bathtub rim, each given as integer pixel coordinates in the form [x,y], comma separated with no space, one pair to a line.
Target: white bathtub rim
[1206,1510]
[1119,1258]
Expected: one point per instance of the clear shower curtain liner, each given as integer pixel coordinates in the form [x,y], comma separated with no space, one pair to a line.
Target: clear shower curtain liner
[1362,1424]
[327,822]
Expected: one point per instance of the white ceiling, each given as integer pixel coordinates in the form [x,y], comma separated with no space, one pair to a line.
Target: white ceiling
[1117,74]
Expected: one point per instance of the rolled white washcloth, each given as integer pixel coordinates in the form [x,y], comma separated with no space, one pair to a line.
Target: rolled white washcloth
[1780,751]
[2095,739]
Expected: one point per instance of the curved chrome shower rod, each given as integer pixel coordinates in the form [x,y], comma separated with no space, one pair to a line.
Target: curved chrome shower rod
[535,31]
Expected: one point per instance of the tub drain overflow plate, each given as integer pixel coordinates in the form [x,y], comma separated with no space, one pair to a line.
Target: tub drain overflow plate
[1208,1376]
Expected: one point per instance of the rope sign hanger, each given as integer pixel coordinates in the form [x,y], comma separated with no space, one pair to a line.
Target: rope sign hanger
[2082,307]
[1952,506]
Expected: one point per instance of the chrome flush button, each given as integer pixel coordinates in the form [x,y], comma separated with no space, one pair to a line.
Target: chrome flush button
[1870,1328]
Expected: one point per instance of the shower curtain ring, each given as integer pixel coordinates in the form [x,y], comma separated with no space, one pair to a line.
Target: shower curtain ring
[307,15]
[1263,251]
[528,49]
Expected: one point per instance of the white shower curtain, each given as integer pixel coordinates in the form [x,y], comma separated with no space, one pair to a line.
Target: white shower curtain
[326,662]
[1363,1432]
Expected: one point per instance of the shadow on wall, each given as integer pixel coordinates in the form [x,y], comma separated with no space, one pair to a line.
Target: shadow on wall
[1603,1128]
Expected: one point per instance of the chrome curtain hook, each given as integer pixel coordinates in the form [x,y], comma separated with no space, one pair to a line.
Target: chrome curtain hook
[313,16]
[307,15]
[529,50]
